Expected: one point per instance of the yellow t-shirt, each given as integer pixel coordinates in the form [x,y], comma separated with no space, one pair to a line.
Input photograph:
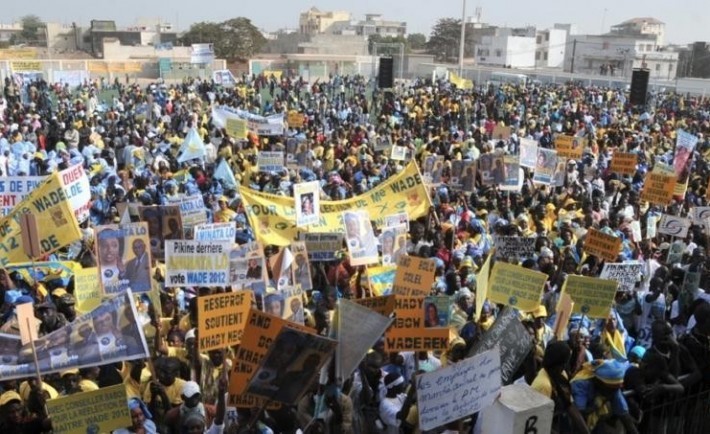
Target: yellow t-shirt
[174,392]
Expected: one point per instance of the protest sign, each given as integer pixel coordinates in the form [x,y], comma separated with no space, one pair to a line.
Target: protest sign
[307,200]
[123,257]
[514,175]
[192,213]
[458,390]
[514,247]
[295,119]
[108,334]
[202,53]
[262,125]
[356,341]
[270,161]
[396,220]
[414,276]
[292,309]
[624,163]
[688,290]
[98,411]
[516,286]
[512,339]
[545,166]
[14,189]
[699,214]
[384,305]
[437,311]
[627,274]
[291,365]
[482,283]
[56,221]
[382,143]
[236,128]
[592,297]
[501,132]
[274,220]
[87,289]
[221,319]
[27,322]
[224,77]
[492,168]
[393,243]
[651,225]
[400,153]
[636,235]
[674,226]
[164,223]
[683,159]
[601,244]
[260,331]
[247,265]
[322,247]
[216,231]
[658,188]
[408,332]
[197,263]
[528,153]
[569,147]
[360,238]
[302,268]
[675,253]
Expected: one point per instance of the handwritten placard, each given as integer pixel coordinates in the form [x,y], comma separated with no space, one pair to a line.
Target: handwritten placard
[458,390]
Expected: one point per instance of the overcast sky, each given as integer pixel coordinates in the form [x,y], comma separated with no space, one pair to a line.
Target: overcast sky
[686,20]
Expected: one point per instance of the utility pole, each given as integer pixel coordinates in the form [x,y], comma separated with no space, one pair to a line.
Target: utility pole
[574,50]
[463,39]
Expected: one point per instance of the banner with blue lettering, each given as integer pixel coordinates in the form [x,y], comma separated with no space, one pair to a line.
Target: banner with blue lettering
[197,263]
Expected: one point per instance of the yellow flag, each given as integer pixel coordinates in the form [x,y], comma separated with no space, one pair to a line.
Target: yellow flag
[460,82]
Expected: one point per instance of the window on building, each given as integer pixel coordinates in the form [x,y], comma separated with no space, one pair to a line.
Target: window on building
[544,55]
[547,36]
[537,55]
[658,67]
[539,39]
[499,53]
[670,67]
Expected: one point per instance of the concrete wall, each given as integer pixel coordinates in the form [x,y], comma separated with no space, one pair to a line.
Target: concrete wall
[113,50]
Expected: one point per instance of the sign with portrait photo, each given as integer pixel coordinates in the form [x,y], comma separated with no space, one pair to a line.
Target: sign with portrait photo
[123,257]
[307,198]
[247,265]
[360,238]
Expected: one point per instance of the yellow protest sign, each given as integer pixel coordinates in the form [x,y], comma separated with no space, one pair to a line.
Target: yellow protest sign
[97,66]
[591,296]
[26,66]
[274,217]
[87,289]
[482,283]
[569,147]
[295,119]
[18,53]
[516,286]
[624,163]
[414,276]
[408,331]
[564,313]
[384,305]
[460,82]
[268,73]
[99,411]
[260,331]
[603,245]
[236,128]
[658,188]
[221,319]
[56,222]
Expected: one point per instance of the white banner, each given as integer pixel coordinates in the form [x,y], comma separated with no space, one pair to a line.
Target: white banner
[14,189]
[262,125]
[202,53]
[197,263]
[626,273]
[458,390]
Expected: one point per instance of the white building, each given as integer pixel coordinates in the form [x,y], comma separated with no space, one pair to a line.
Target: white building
[510,48]
[316,22]
[613,54]
[550,48]
[646,26]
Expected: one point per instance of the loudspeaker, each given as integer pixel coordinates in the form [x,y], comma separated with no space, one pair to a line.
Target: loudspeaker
[386,75]
[639,86]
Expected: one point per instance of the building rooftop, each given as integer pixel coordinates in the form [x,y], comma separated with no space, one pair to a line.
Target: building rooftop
[641,20]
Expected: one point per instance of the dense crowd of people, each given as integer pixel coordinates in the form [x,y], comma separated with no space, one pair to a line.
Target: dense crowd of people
[614,374]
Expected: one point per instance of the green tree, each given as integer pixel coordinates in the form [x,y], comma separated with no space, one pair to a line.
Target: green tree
[444,40]
[236,38]
[416,41]
[30,34]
